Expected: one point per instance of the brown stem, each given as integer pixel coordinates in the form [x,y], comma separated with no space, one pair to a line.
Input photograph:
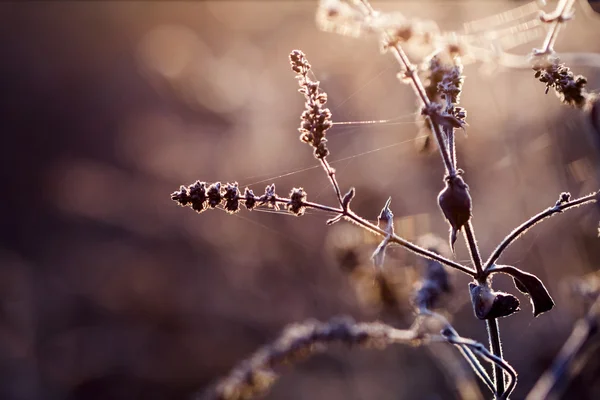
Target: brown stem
[525,226]
[331,174]
[393,238]
[496,346]
[351,216]
[473,248]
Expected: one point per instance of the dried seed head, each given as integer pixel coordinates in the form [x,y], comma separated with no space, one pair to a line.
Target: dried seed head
[297,199]
[299,63]
[455,202]
[232,198]
[489,304]
[181,196]
[568,87]
[249,199]
[198,196]
[315,119]
[195,196]
[269,198]
[214,195]
[451,84]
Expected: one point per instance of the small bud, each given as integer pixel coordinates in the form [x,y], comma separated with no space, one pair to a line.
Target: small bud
[488,304]
[455,202]
[564,198]
[386,217]
[348,198]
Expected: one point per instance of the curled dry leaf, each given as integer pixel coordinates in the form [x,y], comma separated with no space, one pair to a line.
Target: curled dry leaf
[488,304]
[531,285]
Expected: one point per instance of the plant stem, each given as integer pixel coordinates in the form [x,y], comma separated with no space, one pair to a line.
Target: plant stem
[351,216]
[419,90]
[525,226]
[393,238]
[496,346]
[331,174]
[473,249]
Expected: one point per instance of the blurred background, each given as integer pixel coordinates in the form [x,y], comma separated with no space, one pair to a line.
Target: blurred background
[109,290]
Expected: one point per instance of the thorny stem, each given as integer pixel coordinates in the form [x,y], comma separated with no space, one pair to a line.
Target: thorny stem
[474,249]
[449,131]
[464,349]
[351,216]
[417,86]
[393,238]
[496,346]
[476,366]
[451,147]
[400,55]
[525,226]
[466,345]
[331,174]
[499,363]
[310,204]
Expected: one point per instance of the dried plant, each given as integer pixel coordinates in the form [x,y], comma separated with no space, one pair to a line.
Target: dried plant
[437,86]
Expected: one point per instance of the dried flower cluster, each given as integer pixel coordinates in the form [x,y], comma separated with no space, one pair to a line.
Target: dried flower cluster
[442,81]
[568,87]
[201,196]
[315,120]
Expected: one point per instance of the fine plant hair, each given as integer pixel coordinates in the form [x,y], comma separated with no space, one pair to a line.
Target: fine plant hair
[437,85]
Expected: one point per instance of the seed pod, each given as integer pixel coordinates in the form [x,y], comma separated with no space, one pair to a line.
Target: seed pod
[455,202]
[488,304]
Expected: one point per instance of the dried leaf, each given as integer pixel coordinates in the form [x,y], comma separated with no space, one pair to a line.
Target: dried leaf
[488,304]
[531,285]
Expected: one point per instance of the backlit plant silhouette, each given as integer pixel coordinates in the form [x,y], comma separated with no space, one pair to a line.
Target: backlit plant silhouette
[439,97]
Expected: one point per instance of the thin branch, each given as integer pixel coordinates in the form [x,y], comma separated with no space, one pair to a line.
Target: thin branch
[496,346]
[189,197]
[525,226]
[351,216]
[331,174]
[417,85]
[450,334]
[473,248]
[476,366]
[498,362]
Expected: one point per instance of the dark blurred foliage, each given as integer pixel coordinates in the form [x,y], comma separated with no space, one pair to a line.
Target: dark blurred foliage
[109,290]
